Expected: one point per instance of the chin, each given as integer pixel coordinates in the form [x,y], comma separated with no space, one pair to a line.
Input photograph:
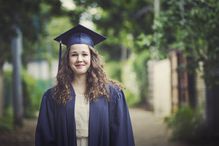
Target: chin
[80,72]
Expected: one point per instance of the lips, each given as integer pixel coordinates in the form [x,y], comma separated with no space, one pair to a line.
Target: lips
[79,65]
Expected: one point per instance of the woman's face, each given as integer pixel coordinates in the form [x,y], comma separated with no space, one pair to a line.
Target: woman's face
[79,58]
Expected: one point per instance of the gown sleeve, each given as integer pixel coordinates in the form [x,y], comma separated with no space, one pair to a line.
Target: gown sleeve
[44,135]
[121,133]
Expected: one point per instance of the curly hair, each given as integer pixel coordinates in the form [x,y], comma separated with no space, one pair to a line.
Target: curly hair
[96,79]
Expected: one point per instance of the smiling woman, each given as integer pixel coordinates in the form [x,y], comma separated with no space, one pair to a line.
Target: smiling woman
[85,108]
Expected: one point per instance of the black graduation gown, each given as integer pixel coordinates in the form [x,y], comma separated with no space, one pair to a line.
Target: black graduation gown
[109,121]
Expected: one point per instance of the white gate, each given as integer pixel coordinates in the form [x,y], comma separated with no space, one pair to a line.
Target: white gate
[160,86]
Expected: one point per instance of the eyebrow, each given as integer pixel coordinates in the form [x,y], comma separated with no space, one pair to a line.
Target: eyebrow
[79,52]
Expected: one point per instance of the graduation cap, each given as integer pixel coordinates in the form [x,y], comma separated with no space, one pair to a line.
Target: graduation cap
[78,35]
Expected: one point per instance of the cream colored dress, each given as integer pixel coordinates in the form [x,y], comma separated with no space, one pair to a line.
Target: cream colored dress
[81,119]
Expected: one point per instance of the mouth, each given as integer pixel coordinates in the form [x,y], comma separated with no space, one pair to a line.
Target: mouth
[79,65]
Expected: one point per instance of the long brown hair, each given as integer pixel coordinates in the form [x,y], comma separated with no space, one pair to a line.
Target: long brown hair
[96,78]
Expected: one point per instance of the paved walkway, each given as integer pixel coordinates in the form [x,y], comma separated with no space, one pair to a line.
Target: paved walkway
[150,130]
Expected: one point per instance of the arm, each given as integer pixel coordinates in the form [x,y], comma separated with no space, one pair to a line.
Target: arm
[44,135]
[121,133]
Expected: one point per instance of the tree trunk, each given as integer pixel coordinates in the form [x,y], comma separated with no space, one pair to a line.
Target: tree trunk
[212,100]
[182,79]
[1,91]
[212,108]
[192,90]
[192,82]
[16,46]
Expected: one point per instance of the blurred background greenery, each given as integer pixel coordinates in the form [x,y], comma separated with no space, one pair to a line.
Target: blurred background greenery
[137,31]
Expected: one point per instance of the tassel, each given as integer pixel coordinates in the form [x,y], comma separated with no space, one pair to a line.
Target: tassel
[60,55]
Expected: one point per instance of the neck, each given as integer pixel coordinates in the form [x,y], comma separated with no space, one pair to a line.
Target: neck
[79,84]
[80,80]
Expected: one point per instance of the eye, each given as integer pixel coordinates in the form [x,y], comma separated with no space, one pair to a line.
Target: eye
[85,54]
[74,54]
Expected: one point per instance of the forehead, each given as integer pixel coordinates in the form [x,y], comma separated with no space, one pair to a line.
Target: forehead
[79,47]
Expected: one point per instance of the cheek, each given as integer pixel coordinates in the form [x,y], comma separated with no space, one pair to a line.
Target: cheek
[71,60]
[89,60]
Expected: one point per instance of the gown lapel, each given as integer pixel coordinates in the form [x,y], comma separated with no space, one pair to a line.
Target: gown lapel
[70,113]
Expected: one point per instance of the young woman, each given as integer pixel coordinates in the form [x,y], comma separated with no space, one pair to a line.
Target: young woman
[85,108]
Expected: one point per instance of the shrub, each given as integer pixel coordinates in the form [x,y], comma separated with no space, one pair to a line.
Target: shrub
[131,98]
[140,67]
[6,122]
[32,92]
[114,70]
[185,124]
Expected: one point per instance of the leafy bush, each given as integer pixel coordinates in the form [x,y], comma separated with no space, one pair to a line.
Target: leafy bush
[185,124]
[140,67]
[32,92]
[6,122]
[7,89]
[113,70]
[131,98]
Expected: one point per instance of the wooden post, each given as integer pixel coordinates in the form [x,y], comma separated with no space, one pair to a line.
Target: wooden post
[182,79]
[174,81]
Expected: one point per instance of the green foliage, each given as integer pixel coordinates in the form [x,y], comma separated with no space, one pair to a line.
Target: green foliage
[185,124]
[32,98]
[6,121]
[140,67]
[113,70]
[31,18]
[121,21]
[192,27]
[131,98]
[32,92]
[7,89]
[47,47]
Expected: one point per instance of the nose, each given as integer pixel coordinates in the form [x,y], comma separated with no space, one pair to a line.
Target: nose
[79,58]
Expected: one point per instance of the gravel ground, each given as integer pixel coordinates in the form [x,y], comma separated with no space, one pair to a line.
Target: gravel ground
[21,136]
[150,130]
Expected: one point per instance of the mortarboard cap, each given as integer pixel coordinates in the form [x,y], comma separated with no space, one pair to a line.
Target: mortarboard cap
[78,35]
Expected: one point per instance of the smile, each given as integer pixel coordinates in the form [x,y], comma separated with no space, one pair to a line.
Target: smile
[80,65]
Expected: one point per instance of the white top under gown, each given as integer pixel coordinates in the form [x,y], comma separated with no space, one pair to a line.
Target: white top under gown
[81,119]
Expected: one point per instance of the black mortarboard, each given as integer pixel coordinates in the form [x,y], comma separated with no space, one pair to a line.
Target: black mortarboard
[78,35]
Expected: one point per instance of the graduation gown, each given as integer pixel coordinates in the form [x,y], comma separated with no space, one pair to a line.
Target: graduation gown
[109,121]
